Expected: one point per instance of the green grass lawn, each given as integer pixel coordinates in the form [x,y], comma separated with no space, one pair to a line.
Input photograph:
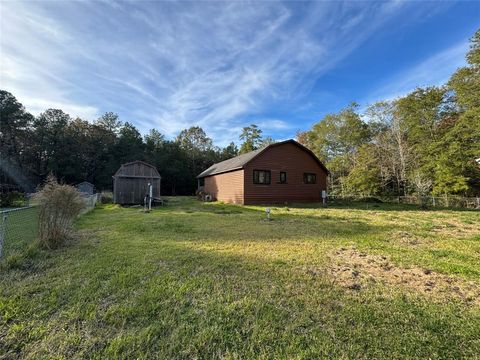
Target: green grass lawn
[208,280]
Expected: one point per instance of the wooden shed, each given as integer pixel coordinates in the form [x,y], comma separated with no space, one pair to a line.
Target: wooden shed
[130,183]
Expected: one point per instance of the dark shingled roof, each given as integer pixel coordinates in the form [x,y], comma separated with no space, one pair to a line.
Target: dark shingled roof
[234,163]
[238,162]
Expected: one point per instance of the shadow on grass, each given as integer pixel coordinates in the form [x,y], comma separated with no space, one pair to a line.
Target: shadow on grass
[375,207]
[131,297]
[250,306]
[192,202]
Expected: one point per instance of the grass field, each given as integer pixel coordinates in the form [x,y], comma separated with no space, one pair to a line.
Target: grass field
[208,280]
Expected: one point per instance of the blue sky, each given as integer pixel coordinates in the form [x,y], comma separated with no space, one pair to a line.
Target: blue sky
[224,65]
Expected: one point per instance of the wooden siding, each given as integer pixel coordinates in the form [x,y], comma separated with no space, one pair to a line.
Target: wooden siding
[130,183]
[295,162]
[137,168]
[227,187]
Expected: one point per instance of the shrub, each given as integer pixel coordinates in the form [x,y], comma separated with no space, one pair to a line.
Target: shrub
[106,197]
[370,199]
[59,204]
[12,199]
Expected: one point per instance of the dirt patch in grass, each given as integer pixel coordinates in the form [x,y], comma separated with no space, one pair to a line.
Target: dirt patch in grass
[456,229]
[407,238]
[356,270]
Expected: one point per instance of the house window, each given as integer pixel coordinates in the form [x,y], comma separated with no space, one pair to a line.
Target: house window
[261,177]
[309,178]
[283,177]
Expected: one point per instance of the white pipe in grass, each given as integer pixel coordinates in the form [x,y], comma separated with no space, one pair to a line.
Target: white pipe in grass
[150,194]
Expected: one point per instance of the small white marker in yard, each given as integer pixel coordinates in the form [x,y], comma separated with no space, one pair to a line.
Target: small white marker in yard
[324,197]
[267,210]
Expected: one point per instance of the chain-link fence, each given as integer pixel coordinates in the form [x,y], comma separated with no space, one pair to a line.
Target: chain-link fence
[431,201]
[18,228]
[90,202]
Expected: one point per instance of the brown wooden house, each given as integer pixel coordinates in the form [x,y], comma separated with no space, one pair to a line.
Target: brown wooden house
[282,172]
[130,183]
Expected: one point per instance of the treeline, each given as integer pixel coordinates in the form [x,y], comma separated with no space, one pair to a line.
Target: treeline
[427,142]
[76,150]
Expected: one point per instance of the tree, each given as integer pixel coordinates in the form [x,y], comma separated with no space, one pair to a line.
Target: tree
[423,185]
[15,139]
[14,125]
[154,141]
[419,115]
[430,136]
[364,178]
[267,141]
[393,151]
[51,146]
[466,81]
[110,122]
[229,151]
[173,164]
[251,137]
[194,139]
[198,149]
[456,170]
[129,146]
[335,140]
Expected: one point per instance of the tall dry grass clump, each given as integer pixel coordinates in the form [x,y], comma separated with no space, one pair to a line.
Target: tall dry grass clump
[59,204]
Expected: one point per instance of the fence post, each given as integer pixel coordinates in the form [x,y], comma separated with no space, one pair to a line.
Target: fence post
[433,201]
[478,202]
[3,232]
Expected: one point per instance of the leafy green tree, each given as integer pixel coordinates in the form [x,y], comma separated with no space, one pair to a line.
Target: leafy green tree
[394,153]
[110,122]
[420,115]
[173,164]
[335,140]
[456,170]
[194,139]
[251,137]
[14,125]
[129,146]
[364,178]
[267,141]
[198,149]
[15,142]
[231,150]
[154,141]
[466,81]
[51,145]
[428,140]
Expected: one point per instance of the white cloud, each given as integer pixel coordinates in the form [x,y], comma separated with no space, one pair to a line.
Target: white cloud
[173,65]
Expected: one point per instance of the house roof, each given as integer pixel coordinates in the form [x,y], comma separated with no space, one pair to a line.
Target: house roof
[239,162]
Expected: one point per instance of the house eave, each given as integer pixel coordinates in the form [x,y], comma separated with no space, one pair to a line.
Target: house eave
[220,172]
